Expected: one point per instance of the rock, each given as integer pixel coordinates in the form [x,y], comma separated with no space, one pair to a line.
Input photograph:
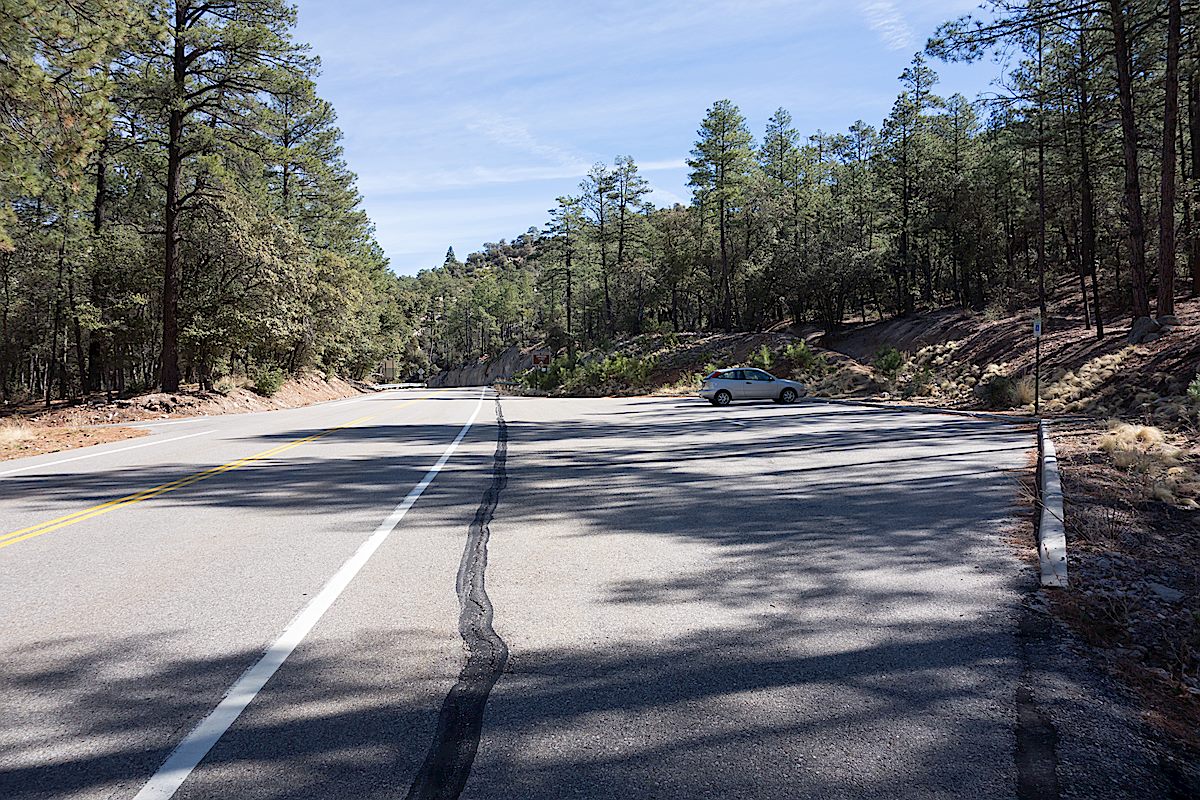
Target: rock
[1166,592]
[1141,328]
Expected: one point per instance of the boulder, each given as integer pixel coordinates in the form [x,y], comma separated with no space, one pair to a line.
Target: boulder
[1167,593]
[1141,328]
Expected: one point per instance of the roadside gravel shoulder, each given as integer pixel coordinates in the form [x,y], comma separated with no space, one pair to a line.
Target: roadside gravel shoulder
[1104,749]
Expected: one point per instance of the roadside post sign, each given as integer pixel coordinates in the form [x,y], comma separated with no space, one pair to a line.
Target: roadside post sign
[1037,365]
[541,360]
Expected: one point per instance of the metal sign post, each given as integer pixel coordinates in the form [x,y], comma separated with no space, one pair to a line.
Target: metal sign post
[1037,365]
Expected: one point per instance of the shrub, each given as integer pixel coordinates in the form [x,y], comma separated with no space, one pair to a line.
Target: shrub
[628,370]
[919,383]
[12,430]
[617,369]
[1193,390]
[1025,391]
[225,386]
[761,358]
[268,381]
[999,392]
[548,380]
[889,361]
[803,358]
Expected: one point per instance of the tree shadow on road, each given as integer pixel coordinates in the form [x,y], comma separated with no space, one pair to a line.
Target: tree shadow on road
[829,601]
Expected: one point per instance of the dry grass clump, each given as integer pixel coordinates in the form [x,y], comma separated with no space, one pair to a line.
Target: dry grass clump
[13,431]
[939,374]
[1025,388]
[1076,390]
[1145,451]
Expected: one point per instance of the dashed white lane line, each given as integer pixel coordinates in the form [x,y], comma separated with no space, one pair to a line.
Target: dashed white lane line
[195,746]
[98,453]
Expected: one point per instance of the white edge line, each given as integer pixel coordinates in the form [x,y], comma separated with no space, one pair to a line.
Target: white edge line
[28,467]
[160,423]
[195,746]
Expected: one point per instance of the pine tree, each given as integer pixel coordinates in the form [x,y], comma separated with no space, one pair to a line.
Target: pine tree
[720,164]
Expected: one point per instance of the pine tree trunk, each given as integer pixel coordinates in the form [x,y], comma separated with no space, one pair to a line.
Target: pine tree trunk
[727,299]
[1041,183]
[169,362]
[1136,223]
[1087,202]
[1194,134]
[95,357]
[1166,206]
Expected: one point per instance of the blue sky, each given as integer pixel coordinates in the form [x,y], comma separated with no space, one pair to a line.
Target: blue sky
[465,119]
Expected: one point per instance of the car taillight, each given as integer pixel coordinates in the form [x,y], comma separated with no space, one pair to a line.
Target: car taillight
[714,375]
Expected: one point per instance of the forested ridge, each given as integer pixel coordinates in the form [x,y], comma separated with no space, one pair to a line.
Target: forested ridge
[1076,173]
[177,208]
[175,202]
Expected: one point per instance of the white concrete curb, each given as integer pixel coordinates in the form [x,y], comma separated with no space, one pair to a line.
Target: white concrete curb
[1052,536]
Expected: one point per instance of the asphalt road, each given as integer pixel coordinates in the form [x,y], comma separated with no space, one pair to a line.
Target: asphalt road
[680,601]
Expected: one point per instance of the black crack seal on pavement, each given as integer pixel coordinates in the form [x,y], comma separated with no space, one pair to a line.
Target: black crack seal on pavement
[448,762]
[1037,739]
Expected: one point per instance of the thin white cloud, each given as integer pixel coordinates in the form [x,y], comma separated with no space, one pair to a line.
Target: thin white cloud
[885,19]
[513,134]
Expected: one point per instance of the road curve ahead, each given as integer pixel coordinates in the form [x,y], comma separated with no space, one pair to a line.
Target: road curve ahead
[643,597]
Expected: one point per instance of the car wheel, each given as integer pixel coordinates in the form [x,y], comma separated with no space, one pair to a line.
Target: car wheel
[722,398]
[788,395]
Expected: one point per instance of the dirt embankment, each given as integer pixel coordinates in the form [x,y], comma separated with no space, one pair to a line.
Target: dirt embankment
[34,430]
[950,358]
[1080,374]
[672,363]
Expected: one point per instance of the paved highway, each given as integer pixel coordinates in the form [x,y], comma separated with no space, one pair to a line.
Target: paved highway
[643,597]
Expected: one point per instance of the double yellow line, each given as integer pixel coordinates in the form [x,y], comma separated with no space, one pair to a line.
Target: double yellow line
[48,526]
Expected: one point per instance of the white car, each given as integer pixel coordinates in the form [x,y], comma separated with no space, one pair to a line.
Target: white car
[746,383]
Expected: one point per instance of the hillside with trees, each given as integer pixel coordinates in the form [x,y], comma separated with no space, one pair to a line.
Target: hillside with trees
[175,203]
[177,208]
[1077,174]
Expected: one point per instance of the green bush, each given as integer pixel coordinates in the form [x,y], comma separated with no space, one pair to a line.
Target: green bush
[998,393]
[617,369]
[225,386]
[919,383]
[761,358]
[803,358]
[268,381]
[889,361]
[1193,390]
[550,379]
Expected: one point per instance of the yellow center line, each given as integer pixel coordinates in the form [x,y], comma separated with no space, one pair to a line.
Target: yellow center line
[41,528]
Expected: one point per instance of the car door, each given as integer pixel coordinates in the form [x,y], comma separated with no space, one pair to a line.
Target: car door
[759,384]
[735,381]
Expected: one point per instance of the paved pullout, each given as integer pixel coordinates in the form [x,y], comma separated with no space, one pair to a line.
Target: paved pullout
[759,601]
